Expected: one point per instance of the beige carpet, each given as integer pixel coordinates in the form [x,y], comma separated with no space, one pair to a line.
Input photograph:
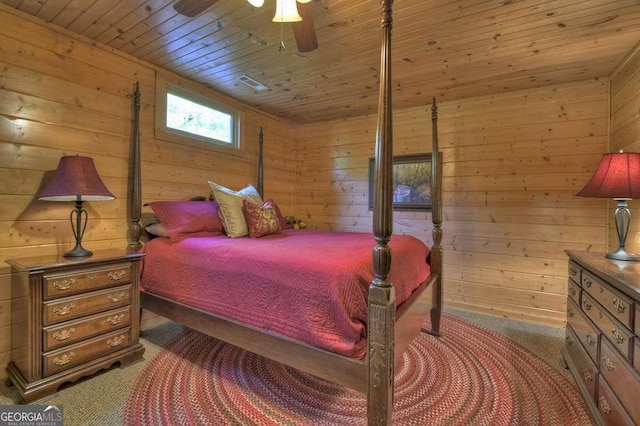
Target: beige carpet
[100,399]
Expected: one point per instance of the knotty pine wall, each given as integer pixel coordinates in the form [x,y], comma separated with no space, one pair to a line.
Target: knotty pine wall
[625,135]
[60,95]
[512,163]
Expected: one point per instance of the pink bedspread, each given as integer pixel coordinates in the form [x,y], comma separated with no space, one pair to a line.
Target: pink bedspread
[308,285]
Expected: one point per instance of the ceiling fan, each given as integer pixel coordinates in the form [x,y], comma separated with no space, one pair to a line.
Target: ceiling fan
[302,22]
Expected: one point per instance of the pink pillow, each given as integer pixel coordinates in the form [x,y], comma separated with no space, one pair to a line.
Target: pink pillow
[283,223]
[261,220]
[184,219]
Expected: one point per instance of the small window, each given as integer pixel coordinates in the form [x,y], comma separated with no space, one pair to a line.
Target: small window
[189,117]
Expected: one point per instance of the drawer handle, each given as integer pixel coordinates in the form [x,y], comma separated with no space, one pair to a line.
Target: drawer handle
[573,291]
[116,319]
[570,312]
[116,275]
[116,341]
[568,340]
[607,363]
[617,335]
[117,297]
[587,305]
[604,405]
[618,305]
[574,271]
[587,281]
[63,334]
[64,359]
[588,376]
[92,277]
[65,284]
[64,310]
[591,340]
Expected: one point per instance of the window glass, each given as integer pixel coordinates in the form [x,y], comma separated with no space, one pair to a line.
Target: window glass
[185,115]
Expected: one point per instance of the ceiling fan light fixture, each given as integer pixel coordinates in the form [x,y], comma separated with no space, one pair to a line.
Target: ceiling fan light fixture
[304,1]
[256,3]
[286,11]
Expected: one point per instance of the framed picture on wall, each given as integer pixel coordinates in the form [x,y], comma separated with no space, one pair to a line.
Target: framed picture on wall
[411,182]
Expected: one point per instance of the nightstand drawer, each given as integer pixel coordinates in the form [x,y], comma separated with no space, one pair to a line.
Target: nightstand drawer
[611,328]
[586,332]
[91,303]
[62,285]
[574,291]
[619,305]
[636,355]
[624,381]
[80,353]
[609,407]
[574,272]
[75,331]
[585,367]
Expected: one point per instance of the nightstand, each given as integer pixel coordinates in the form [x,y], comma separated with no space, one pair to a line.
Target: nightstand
[72,317]
[602,335]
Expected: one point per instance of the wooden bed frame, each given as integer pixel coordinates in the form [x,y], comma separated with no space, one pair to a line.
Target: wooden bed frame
[390,330]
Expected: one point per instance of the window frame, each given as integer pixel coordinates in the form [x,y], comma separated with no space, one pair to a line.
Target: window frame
[191,92]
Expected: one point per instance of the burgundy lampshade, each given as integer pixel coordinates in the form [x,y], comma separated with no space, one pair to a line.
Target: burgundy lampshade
[617,176]
[75,179]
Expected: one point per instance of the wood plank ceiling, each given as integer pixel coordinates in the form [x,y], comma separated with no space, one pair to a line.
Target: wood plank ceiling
[442,48]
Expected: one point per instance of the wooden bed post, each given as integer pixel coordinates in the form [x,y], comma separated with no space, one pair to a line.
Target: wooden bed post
[135,196]
[381,317]
[260,164]
[436,217]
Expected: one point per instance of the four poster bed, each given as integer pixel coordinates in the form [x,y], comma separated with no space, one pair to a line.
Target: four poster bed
[390,308]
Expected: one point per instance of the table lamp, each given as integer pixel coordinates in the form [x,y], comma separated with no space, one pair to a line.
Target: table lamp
[76,179]
[617,177]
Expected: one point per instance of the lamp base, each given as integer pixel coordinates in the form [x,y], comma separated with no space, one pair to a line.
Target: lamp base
[622,254]
[78,251]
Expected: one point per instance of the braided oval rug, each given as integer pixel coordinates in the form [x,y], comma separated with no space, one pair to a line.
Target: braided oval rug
[469,376]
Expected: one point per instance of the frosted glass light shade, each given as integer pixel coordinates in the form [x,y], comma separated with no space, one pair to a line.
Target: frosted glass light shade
[286,11]
[256,3]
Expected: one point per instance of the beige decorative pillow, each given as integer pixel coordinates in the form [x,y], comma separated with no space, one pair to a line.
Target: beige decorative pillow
[230,207]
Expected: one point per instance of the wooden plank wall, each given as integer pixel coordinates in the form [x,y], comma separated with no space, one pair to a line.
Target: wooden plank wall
[512,163]
[60,95]
[625,134]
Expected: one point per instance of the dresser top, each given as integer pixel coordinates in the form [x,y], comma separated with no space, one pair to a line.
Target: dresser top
[624,275]
[59,261]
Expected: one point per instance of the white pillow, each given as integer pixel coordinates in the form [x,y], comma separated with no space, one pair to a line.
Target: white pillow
[230,207]
[157,229]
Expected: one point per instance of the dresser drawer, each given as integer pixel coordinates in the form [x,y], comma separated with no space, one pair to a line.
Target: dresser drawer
[86,304]
[62,285]
[636,355]
[609,407]
[71,356]
[574,292]
[624,381]
[586,370]
[74,331]
[611,328]
[574,272]
[619,305]
[586,332]
[637,326]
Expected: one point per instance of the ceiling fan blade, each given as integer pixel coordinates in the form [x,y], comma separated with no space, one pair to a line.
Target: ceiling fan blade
[304,31]
[192,8]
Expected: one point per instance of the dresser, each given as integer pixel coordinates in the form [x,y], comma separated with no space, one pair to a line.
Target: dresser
[602,348]
[72,317]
